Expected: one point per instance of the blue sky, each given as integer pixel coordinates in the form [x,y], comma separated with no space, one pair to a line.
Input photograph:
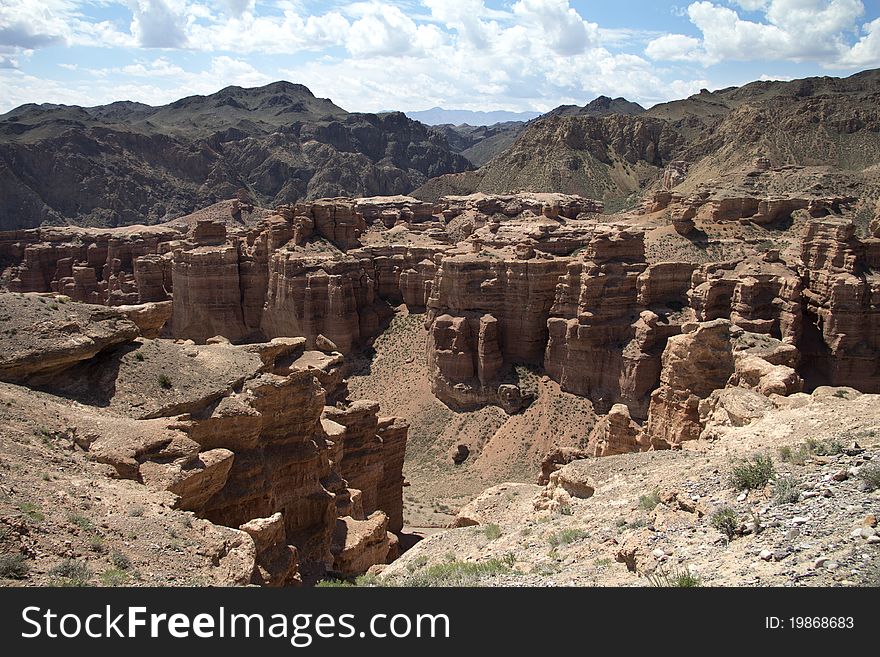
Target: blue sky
[371,55]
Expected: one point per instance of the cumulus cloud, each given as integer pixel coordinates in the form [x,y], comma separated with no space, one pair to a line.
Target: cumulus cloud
[383,29]
[159,23]
[794,30]
[558,25]
[675,47]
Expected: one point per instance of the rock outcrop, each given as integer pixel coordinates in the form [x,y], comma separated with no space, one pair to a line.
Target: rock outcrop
[611,319]
[842,300]
[485,314]
[240,435]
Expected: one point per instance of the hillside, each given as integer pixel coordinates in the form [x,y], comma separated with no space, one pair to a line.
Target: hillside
[824,121]
[128,163]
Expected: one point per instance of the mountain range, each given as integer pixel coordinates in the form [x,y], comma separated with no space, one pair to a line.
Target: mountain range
[127,163]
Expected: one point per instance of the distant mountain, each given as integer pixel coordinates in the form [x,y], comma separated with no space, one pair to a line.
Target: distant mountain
[601,106]
[480,144]
[440,116]
[613,150]
[127,163]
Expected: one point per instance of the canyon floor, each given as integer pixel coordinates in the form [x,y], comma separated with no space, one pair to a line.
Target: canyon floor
[501,447]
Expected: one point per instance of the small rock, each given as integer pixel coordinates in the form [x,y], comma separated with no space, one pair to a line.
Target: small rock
[792,533]
[799,520]
[867,532]
[807,494]
[780,554]
[831,565]
[870,520]
[856,533]
[741,497]
[820,562]
[840,475]
[659,553]
[766,555]
[874,540]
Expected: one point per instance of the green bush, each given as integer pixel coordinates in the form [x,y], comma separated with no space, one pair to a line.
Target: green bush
[492,532]
[566,536]
[649,502]
[870,476]
[165,382]
[726,521]
[753,473]
[71,572]
[120,560]
[460,573]
[680,578]
[13,566]
[787,490]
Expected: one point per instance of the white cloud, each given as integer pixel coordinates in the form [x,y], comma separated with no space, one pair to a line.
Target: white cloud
[558,25]
[675,47]
[867,51]
[159,23]
[794,30]
[383,29]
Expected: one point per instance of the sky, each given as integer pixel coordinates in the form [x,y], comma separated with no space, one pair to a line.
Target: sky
[374,55]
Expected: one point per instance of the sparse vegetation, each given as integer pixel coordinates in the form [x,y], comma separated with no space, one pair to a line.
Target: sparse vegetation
[32,511]
[165,382]
[136,511]
[726,521]
[679,578]
[753,473]
[832,447]
[71,573]
[649,502]
[492,532]
[114,577]
[566,536]
[97,545]
[120,560]
[797,455]
[461,573]
[80,521]
[13,566]
[139,357]
[787,490]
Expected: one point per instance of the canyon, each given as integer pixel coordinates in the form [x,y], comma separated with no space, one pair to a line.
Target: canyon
[525,348]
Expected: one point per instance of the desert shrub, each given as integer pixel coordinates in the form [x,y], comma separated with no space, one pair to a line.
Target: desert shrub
[80,521]
[32,511]
[165,381]
[566,536]
[492,532]
[786,490]
[753,473]
[649,502]
[460,573]
[870,476]
[120,560]
[796,455]
[726,521]
[114,577]
[680,578]
[825,448]
[71,572]
[13,566]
